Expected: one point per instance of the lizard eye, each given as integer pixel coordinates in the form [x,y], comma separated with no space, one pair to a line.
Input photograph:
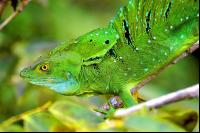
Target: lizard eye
[44,67]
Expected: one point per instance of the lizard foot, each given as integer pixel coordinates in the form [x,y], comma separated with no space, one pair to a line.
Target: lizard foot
[108,114]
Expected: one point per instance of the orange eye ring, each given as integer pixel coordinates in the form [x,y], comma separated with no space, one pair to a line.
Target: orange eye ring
[44,67]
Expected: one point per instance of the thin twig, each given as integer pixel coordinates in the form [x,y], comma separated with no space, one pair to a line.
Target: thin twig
[2,6]
[24,115]
[188,93]
[116,100]
[12,16]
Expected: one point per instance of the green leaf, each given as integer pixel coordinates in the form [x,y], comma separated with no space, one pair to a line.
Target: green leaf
[185,119]
[12,128]
[44,122]
[150,123]
[74,114]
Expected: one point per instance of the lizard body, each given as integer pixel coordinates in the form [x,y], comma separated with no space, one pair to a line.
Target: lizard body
[144,37]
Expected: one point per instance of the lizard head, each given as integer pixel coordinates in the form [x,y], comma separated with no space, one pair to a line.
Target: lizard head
[54,72]
[61,69]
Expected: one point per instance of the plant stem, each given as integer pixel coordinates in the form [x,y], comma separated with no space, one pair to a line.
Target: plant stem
[24,115]
[12,16]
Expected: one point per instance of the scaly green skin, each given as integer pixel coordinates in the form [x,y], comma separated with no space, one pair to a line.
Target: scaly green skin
[143,38]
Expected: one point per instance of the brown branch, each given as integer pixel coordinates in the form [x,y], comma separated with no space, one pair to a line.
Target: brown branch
[12,16]
[116,100]
[2,6]
[188,93]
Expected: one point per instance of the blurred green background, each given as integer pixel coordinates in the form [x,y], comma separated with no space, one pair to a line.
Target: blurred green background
[43,25]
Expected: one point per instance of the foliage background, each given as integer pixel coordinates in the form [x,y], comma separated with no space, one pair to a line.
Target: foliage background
[43,25]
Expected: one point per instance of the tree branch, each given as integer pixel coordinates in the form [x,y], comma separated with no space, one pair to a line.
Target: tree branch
[2,6]
[12,16]
[116,100]
[188,93]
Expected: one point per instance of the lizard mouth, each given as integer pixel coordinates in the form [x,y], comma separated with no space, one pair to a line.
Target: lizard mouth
[42,81]
[45,82]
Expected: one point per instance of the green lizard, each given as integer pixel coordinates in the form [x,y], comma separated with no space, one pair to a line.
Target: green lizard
[143,38]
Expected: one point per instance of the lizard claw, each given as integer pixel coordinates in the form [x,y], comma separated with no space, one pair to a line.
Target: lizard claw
[108,114]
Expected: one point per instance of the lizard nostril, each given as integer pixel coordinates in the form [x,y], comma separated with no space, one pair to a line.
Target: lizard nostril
[23,72]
